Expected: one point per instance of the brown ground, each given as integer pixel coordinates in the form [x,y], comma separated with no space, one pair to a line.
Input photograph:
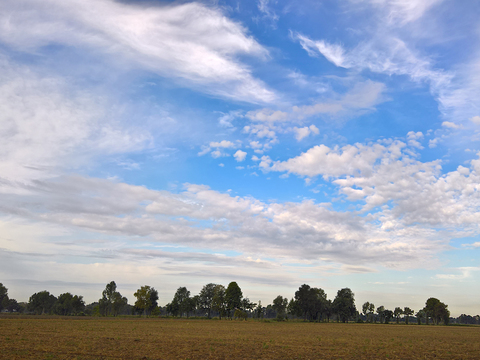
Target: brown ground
[134,338]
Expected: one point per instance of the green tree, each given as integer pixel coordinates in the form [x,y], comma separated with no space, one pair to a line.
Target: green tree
[205,299]
[328,309]
[388,314]
[436,310]
[397,312]
[303,300]
[368,310]
[259,310]
[63,305]
[344,304]
[3,297]
[420,315]
[146,299]
[41,302]
[182,298]
[407,312]
[381,313]
[112,302]
[280,306]
[218,301]
[233,297]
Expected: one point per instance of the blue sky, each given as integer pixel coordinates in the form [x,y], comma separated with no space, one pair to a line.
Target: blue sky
[272,143]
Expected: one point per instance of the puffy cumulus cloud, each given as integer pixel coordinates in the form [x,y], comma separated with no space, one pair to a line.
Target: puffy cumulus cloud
[450,125]
[475,120]
[404,191]
[200,217]
[216,148]
[334,162]
[413,139]
[266,123]
[188,41]
[47,127]
[301,133]
[240,155]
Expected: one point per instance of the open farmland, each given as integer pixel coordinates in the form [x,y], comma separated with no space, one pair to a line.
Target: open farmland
[94,338]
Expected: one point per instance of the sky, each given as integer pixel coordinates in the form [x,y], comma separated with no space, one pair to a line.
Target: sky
[271,143]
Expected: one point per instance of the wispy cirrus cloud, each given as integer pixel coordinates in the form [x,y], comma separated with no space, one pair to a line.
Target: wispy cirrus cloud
[191,42]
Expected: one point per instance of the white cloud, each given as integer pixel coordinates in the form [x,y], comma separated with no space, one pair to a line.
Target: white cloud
[240,155]
[222,144]
[451,125]
[403,12]
[46,126]
[475,120]
[187,41]
[233,223]
[332,52]
[413,139]
[301,133]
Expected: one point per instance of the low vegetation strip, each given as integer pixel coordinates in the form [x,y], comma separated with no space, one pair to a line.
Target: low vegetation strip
[135,338]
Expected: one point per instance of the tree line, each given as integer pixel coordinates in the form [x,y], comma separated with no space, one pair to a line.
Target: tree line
[215,300]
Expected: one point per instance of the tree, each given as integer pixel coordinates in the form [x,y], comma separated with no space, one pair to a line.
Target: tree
[41,302]
[146,299]
[3,297]
[420,315]
[344,304]
[182,298]
[112,302]
[441,313]
[63,305]
[397,312]
[247,305]
[205,298]
[388,315]
[233,297]
[302,297]
[280,305]
[368,309]
[218,301]
[429,308]
[259,310]
[328,309]
[407,312]
[381,313]
[437,310]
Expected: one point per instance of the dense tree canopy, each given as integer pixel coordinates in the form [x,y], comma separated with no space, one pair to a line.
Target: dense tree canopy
[344,304]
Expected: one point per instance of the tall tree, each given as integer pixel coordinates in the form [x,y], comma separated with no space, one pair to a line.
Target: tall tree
[3,297]
[146,299]
[280,305]
[430,309]
[112,302]
[344,304]
[302,297]
[218,301]
[407,312]
[397,312]
[233,297]
[420,315]
[205,298]
[182,298]
[381,313]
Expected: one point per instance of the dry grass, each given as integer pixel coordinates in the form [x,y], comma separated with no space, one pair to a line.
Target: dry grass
[96,338]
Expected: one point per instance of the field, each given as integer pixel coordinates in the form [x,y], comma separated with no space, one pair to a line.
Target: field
[133,338]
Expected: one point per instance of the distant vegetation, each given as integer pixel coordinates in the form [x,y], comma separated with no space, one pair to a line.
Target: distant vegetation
[214,300]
